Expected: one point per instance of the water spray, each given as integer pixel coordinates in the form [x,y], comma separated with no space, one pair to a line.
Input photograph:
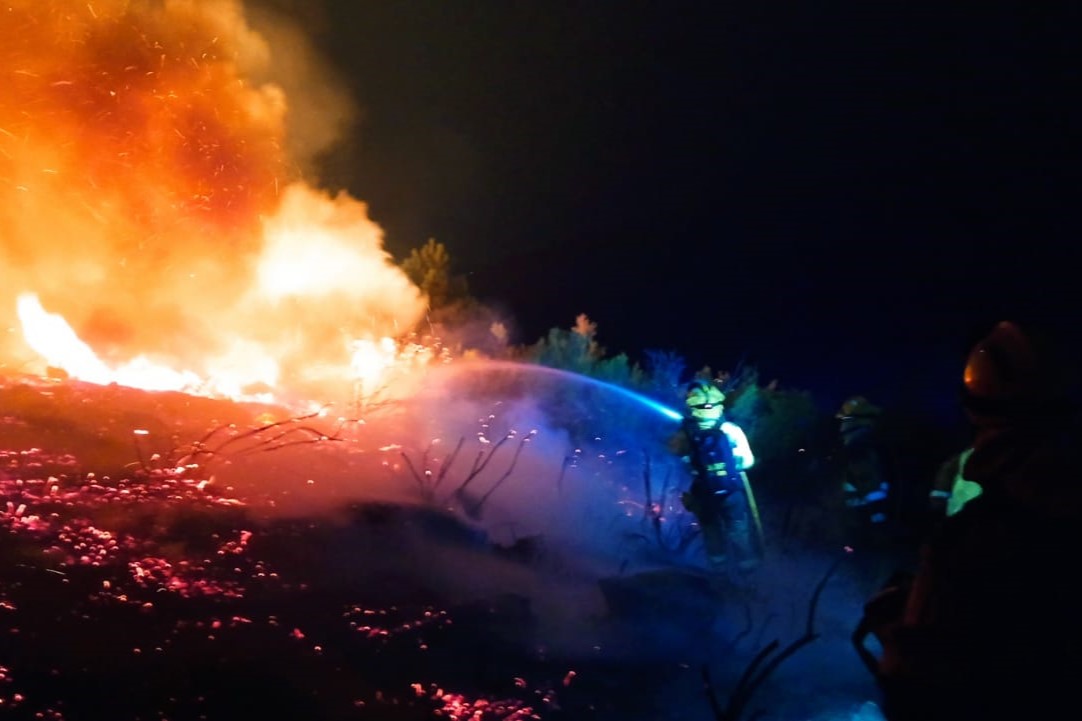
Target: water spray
[648,402]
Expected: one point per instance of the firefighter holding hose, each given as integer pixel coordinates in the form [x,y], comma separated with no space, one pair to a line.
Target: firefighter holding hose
[717,454]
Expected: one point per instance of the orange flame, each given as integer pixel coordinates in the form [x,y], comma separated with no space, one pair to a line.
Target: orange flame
[147,200]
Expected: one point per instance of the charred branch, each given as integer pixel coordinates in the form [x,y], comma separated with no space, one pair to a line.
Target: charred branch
[474,510]
[429,481]
[481,461]
[263,439]
[763,664]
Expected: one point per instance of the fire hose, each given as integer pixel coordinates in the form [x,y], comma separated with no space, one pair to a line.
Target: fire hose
[759,537]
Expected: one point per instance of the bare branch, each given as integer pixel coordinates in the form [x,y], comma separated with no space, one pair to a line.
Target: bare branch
[507,473]
[417,476]
[197,450]
[482,461]
[447,464]
[754,676]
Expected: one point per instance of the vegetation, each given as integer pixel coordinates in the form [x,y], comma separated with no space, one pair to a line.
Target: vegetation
[429,267]
[793,439]
[776,419]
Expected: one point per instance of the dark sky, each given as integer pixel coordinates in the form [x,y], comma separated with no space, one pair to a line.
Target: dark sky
[840,193]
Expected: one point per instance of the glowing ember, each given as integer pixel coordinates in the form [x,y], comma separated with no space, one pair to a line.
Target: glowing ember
[143,570]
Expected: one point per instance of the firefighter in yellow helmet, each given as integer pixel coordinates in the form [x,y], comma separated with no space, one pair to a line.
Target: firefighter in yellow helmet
[717,455]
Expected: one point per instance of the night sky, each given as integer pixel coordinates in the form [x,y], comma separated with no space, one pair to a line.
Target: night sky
[842,194]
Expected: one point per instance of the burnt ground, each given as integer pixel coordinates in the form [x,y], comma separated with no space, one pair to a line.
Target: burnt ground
[132,588]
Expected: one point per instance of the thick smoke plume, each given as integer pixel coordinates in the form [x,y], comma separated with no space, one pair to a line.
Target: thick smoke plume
[145,175]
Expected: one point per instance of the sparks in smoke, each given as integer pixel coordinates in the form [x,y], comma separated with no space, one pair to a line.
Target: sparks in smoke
[147,199]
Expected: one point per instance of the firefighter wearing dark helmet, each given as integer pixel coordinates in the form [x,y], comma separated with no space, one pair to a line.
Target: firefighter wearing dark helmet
[865,486]
[717,453]
[990,627]
[1018,394]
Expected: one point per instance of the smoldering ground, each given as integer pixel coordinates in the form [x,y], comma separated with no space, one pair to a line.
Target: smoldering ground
[540,544]
[496,482]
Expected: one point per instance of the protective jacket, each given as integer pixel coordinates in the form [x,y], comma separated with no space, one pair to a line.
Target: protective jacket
[989,627]
[951,490]
[716,457]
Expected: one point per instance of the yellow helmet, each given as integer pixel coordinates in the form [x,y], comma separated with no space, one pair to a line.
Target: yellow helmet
[705,402]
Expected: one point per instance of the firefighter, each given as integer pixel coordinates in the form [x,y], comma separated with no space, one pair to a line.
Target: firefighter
[951,490]
[989,627]
[717,455]
[865,487]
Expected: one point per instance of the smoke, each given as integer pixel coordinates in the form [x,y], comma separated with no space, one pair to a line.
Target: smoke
[151,156]
[320,109]
[488,483]
[499,462]
[473,487]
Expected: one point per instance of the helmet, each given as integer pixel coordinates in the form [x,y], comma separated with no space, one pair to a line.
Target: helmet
[857,407]
[705,402]
[858,420]
[1012,373]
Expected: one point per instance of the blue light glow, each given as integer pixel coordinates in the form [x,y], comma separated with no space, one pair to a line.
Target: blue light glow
[650,403]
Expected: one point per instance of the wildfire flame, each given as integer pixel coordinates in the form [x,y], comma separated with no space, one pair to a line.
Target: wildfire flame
[147,200]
